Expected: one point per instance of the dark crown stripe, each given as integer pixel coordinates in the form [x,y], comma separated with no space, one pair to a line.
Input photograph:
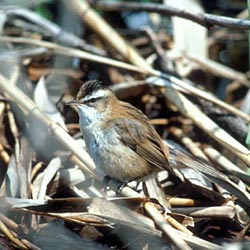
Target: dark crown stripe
[88,88]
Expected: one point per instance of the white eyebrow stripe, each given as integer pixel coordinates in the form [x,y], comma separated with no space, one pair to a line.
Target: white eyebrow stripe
[97,94]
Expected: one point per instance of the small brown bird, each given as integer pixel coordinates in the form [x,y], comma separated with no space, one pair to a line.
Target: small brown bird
[119,138]
[125,146]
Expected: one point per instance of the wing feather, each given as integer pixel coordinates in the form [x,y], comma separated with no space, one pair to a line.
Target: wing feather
[142,138]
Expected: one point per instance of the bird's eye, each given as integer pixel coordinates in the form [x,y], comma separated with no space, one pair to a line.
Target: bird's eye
[92,101]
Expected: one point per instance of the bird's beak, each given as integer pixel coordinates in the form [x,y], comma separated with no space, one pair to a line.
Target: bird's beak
[72,103]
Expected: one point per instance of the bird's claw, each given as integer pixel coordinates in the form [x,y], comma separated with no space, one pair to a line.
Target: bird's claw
[120,187]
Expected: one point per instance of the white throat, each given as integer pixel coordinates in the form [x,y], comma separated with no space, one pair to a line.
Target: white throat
[88,115]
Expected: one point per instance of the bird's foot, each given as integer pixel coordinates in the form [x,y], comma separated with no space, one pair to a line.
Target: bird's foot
[120,187]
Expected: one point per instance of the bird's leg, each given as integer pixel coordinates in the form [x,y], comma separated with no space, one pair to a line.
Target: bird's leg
[120,187]
[106,183]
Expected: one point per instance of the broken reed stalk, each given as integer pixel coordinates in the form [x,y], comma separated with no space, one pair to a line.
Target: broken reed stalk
[67,51]
[176,83]
[217,69]
[3,153]
[188,143]
[102,28]
[188,109]
[226,164]
[174,96]
[11,237]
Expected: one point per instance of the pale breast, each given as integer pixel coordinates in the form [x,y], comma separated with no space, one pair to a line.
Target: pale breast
[113,158]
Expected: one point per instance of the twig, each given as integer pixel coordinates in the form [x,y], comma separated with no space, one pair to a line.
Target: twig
[181,202]
[11,237]
[208,212]
[103,29]
[183,104]
[207,96]
[62,50]
[188,143]
[3,153]
[8,222]
[54,30]
[226,164]
[155,214]
[188,109]
[179,84]
[217,69]
[161,53]
[206,20]
[224,31]
[36,169]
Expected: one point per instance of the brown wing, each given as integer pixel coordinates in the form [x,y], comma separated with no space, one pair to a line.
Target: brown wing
[143,139]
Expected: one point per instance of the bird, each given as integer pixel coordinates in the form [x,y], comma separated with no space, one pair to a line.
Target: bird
[126,147]
[118,136]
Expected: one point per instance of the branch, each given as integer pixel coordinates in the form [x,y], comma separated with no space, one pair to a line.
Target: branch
[177,98]
[59,34]
[206,20]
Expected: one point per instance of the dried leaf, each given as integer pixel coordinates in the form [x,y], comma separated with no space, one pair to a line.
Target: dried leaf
[43,101]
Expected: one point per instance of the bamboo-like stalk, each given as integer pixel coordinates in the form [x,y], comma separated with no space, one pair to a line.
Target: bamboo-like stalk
[209,97]
[226,164]
[180,101]
[182,202]
[102,28]
[188,109]
[175,82]
[222,160]
[155,214]
[67,51]
[217,69]
[188,143]
[11,237]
